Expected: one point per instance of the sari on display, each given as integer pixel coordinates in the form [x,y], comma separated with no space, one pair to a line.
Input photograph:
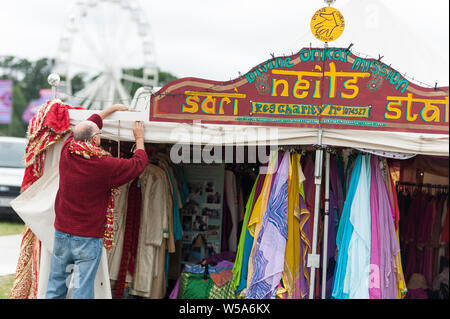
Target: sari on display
[269,249]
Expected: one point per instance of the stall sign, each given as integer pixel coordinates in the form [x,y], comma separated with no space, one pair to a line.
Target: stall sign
[315,88]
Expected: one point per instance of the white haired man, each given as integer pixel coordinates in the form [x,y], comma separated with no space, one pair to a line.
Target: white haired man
[88,178]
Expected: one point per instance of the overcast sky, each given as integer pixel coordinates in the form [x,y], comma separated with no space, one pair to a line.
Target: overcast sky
[216,40]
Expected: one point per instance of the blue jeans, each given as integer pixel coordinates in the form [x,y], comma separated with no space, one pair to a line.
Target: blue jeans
[80,255]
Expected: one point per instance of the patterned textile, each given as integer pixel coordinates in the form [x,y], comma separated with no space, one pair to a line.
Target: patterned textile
[196,286]
[88,150]
[49,125]
[268,254]
[257,216]
[224,292]
[222,278]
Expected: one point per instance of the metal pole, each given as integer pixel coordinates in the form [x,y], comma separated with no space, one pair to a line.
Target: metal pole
[53,79]
[325,225]
[313,258]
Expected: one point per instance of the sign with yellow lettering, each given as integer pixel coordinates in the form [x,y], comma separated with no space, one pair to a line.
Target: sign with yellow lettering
[327,24]
[316,87]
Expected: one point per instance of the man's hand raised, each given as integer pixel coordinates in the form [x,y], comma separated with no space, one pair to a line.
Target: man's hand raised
[139,133]
[111,109]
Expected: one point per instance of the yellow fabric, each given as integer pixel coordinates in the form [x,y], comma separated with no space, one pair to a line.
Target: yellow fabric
[255,222]
[292,264]
[401,283]
[304,216]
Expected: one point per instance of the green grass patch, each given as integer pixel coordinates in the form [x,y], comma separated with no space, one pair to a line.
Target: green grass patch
[11,228]
[6,283]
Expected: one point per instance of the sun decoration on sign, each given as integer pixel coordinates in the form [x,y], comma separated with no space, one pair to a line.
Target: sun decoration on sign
[262,85]
[327,24]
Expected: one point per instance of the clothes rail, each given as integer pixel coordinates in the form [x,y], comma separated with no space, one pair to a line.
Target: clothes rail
[422,185]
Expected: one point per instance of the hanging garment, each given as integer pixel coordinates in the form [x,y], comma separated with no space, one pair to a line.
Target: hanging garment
[115,254]
[292,265]
[232,203]
[149,278]
[356,283]
[268,254]
[237,268]
[248,241]
[344,234]
[375,255]
[131,236]
[259,210]
[388,244]
[397,262]
[336,205]
[295,278]
[305,246]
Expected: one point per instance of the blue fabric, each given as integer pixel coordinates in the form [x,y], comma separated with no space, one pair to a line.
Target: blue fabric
[199,269]
[344,234]
[183,188]
[80,255]
[248,244]
[356,283]
[175,210]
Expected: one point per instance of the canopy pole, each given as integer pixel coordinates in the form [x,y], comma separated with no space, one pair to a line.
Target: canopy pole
[325,225]
[314,258]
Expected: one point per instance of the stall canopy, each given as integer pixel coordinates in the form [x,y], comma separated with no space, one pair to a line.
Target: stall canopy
[355,102]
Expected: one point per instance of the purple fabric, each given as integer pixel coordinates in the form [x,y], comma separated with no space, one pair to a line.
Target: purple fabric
[268,253]
[174,293]
[375,280]
[304,283]
[331,244]
[388,245]
[308,187]
[227,223]
[336,185]
[427,262]
[419,293]
[336,207]
[416,209]
[223,256]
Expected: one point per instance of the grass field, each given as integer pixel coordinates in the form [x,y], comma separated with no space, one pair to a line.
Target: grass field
[10,228]
[6,283]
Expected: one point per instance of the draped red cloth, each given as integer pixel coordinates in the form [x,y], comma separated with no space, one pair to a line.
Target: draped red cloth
[131,237]
[50,124]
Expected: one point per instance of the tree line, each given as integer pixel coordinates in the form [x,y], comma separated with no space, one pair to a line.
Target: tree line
[28,77]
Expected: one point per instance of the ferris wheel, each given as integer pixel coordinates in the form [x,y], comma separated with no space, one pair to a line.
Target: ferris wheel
[107,43]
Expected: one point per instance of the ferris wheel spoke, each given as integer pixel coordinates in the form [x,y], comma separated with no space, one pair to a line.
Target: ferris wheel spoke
[112,91]
[87,95]
[123,94]
[134,79]
[90,43]
[105,42]
[88,103]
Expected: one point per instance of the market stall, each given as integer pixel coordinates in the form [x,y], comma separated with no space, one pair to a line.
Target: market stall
[319,103]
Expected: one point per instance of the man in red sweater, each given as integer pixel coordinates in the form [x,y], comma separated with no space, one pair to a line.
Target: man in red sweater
[89,176]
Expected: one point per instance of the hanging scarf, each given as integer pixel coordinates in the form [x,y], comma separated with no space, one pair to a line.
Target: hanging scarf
[50,124]
[292,264]
[88,150]
[268,253]
[131,237]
